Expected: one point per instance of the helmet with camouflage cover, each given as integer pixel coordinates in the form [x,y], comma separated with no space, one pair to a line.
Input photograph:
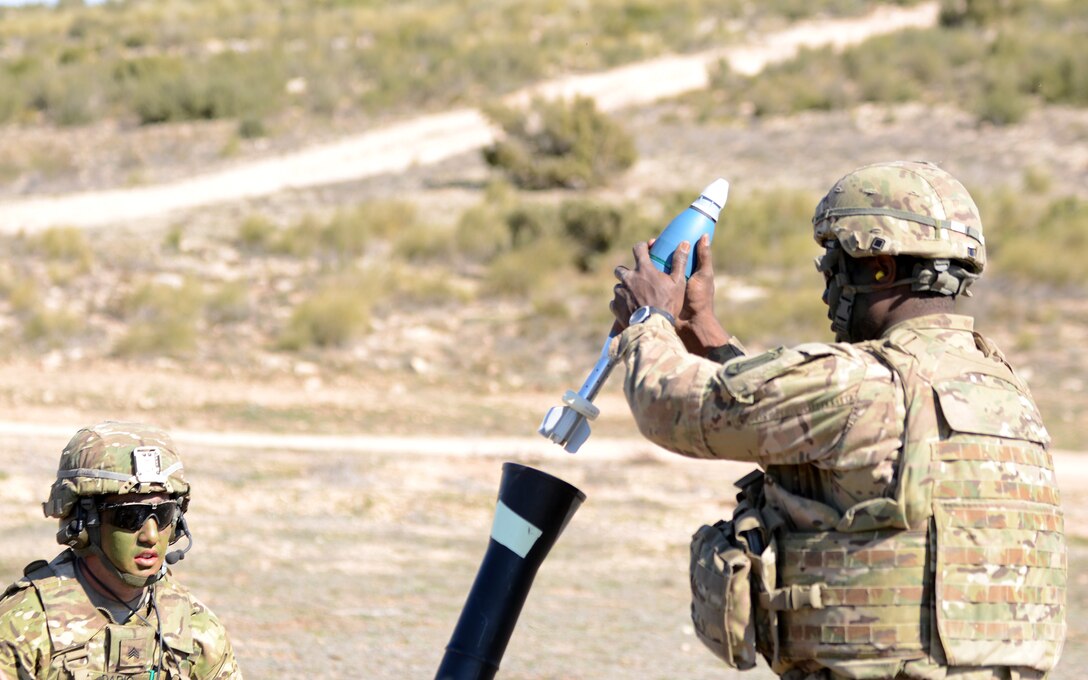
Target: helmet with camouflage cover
[902,208]
[897,208]
[116,458]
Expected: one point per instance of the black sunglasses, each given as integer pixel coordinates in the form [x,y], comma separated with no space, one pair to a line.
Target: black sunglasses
[133,516]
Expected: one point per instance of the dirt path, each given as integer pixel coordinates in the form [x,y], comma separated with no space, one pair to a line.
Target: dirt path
[432,138]
[1071,468]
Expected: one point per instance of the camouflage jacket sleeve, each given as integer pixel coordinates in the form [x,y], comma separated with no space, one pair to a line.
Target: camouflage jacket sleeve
[24,638]
[784,407]
[215,655]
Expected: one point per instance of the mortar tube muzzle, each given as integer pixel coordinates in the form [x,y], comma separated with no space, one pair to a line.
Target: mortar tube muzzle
[532,510]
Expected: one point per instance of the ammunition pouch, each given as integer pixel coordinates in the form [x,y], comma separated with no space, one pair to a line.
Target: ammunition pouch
[721,594]
[732,572]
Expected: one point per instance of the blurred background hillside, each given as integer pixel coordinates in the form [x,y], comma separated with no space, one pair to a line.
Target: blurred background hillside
[489,272]
[452,298]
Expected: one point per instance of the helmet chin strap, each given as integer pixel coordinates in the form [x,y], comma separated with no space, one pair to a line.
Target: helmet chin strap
[841,305]
[842,292]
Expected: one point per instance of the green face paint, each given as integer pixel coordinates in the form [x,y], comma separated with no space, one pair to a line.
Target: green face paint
[139,552]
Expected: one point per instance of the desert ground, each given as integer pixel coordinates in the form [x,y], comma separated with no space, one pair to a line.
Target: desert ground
[338,561]
[339,515]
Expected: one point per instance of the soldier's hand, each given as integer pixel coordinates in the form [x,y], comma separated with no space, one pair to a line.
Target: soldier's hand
[697,324]
[645,285]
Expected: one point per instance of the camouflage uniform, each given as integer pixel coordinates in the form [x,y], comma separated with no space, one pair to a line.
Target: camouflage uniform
[49,626]
[50,629]
[908,509]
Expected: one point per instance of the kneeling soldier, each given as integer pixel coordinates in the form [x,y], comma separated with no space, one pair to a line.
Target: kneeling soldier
[106,607]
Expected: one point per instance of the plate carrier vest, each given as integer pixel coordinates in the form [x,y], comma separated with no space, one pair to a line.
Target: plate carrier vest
[964,566]
[88,646]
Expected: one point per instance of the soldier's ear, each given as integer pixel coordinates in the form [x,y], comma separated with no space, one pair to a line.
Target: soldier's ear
[881,269]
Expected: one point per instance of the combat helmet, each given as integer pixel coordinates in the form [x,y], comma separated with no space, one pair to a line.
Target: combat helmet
[900,208]
[112,458]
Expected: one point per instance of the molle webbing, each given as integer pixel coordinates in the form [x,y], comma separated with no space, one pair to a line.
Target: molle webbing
[1012,533]
[870,588]
[1000,557]
[984,560]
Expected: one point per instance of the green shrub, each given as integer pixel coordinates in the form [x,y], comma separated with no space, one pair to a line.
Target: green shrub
[1033,239]
[163,89]
[810,81]
[347,233]
[73,97]
[481,233]
[1037,180]
[229,303]
[558,144]
[162,319]
[51,327]
[979,12]
[246,85]
[1055,66]
[420,243]
[528,223]
[257,233]
[66,244]
[1001,102]
[173,239]
[13,99]
[301,239]
[522,271]
[591,229]
[23,296]
[160,89]
[766,230]
[330,317]
[251,127]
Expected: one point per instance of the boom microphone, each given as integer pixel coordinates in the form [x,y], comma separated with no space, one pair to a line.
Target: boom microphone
[178,555]
[532,510]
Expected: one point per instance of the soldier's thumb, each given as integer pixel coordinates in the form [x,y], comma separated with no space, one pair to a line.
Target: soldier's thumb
[680,260]
[703,264]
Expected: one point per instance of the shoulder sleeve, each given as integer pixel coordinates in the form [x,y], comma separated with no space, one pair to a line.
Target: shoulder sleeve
[783,407]
[24,637]
[214,653]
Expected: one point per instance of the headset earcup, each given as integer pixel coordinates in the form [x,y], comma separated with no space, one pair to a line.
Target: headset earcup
[73,533]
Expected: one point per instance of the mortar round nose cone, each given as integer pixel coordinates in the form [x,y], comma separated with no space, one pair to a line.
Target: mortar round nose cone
[718,191]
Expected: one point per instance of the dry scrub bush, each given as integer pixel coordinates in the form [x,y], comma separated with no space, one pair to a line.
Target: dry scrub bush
[998,65]
[560,144]
[162,318]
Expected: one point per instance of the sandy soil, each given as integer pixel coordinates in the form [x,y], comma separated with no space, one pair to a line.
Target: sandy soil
[353,560]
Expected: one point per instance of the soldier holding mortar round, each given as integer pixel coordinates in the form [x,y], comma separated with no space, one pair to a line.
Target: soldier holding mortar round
[905,520]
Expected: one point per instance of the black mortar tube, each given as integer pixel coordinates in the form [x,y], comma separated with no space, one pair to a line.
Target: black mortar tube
[530,501]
